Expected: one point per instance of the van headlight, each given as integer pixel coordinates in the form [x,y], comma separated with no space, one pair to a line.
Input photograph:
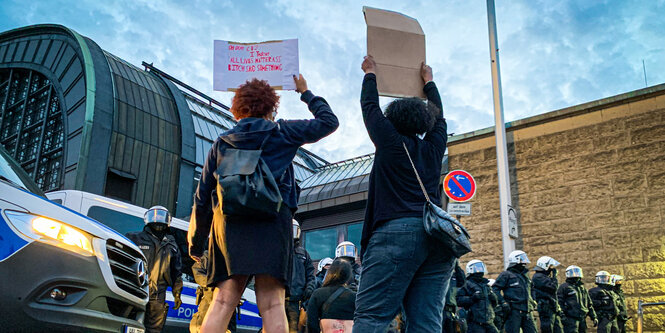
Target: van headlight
[52,232]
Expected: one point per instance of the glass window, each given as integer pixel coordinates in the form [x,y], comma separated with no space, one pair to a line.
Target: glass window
[321,243]
[354,233]
[120,222]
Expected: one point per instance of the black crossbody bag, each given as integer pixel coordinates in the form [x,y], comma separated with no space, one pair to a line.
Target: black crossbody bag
[450,233]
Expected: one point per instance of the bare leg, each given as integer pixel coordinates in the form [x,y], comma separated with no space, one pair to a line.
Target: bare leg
[224,301]
[270,295]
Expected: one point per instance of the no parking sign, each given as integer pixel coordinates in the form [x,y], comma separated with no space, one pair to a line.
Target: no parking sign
[459,186]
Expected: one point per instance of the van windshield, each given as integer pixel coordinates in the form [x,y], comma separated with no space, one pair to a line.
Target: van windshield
[10,172]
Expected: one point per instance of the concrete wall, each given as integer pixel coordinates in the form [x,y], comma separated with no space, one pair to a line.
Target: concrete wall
[589,185]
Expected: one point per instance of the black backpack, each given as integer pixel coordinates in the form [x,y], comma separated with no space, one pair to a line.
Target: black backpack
[245,184]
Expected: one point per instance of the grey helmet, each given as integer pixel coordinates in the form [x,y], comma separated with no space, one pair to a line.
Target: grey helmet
[157,214]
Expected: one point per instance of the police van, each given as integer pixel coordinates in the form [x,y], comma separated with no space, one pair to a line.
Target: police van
[60,270]
[124,218]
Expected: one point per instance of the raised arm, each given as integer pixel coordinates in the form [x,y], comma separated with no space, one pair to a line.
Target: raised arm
[201,218]
[381,131]
[438,135]
[311,130]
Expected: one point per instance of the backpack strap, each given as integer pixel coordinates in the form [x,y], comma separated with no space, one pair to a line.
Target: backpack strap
[326,306]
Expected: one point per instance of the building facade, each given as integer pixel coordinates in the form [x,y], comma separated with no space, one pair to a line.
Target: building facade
[78,117]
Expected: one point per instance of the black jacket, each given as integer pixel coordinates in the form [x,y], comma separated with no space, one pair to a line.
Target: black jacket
[303,281]
[544,288]
[286,137]
[478,298]
[164,267]
[393,189]
[574,300]
[516,287]
[603,300]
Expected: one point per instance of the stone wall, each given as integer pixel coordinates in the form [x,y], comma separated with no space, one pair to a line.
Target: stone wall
[589,185]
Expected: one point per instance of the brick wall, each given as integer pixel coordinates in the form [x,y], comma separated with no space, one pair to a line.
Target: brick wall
[589,185]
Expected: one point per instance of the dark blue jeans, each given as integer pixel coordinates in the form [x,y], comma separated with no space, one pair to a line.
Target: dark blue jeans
[402,266]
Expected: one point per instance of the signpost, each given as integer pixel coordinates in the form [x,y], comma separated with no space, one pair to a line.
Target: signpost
[512,223]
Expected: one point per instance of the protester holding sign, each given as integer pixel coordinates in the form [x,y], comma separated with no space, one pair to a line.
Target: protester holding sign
[402,265]
[257,241]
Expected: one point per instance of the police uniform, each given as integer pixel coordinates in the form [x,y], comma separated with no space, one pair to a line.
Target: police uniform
[450,306]
[516,287]
[477,298]
[301,286]
[544,292]
[605,305]
[622,318]
[164,270]
[576,305]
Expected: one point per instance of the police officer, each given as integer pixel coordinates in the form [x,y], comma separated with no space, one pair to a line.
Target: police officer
[302,281]
[622,318]
[498,310]
[604,303]
[450,305]
[516,299]
[477,298]
[347,251]
[545,285]
[164,267]
[575,302]
[324,264]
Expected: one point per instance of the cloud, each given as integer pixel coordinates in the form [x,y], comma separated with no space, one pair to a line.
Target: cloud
[553,54]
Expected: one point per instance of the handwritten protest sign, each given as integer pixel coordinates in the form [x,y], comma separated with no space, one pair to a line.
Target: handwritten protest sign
[274,61]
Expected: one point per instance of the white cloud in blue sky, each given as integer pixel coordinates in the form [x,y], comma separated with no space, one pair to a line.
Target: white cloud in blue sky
[554,54]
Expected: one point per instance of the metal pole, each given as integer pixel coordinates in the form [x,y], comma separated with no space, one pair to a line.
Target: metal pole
[500,134]
[639,316]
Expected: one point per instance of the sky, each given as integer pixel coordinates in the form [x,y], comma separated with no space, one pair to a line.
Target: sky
[553,54]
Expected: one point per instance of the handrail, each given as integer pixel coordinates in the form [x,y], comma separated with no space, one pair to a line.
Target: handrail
[640,312]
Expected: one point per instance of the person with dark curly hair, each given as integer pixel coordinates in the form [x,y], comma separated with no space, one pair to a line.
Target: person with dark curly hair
[402,266]
[241,247]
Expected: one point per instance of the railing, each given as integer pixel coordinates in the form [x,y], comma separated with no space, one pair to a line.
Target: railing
[640,312]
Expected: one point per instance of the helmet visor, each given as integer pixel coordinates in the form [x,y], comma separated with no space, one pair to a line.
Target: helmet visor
[296,231]
[157,216]
[552,264]
[574,272]
[477,267]
[603,279]
[346,251]
[522,259]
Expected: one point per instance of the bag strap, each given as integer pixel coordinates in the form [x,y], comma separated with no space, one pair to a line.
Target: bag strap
[332,298]
[422,187]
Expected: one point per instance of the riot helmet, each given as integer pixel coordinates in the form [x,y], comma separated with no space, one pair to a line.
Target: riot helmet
[574,272]
[546,263]
[157,214]
[345,250]
[475,266]
[603,277]
[518,257]
[323,263]
[296,230]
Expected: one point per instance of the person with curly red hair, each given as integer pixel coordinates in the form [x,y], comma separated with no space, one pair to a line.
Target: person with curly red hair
[240,248]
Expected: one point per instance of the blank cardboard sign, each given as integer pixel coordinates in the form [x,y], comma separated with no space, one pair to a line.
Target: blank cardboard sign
[397,43]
